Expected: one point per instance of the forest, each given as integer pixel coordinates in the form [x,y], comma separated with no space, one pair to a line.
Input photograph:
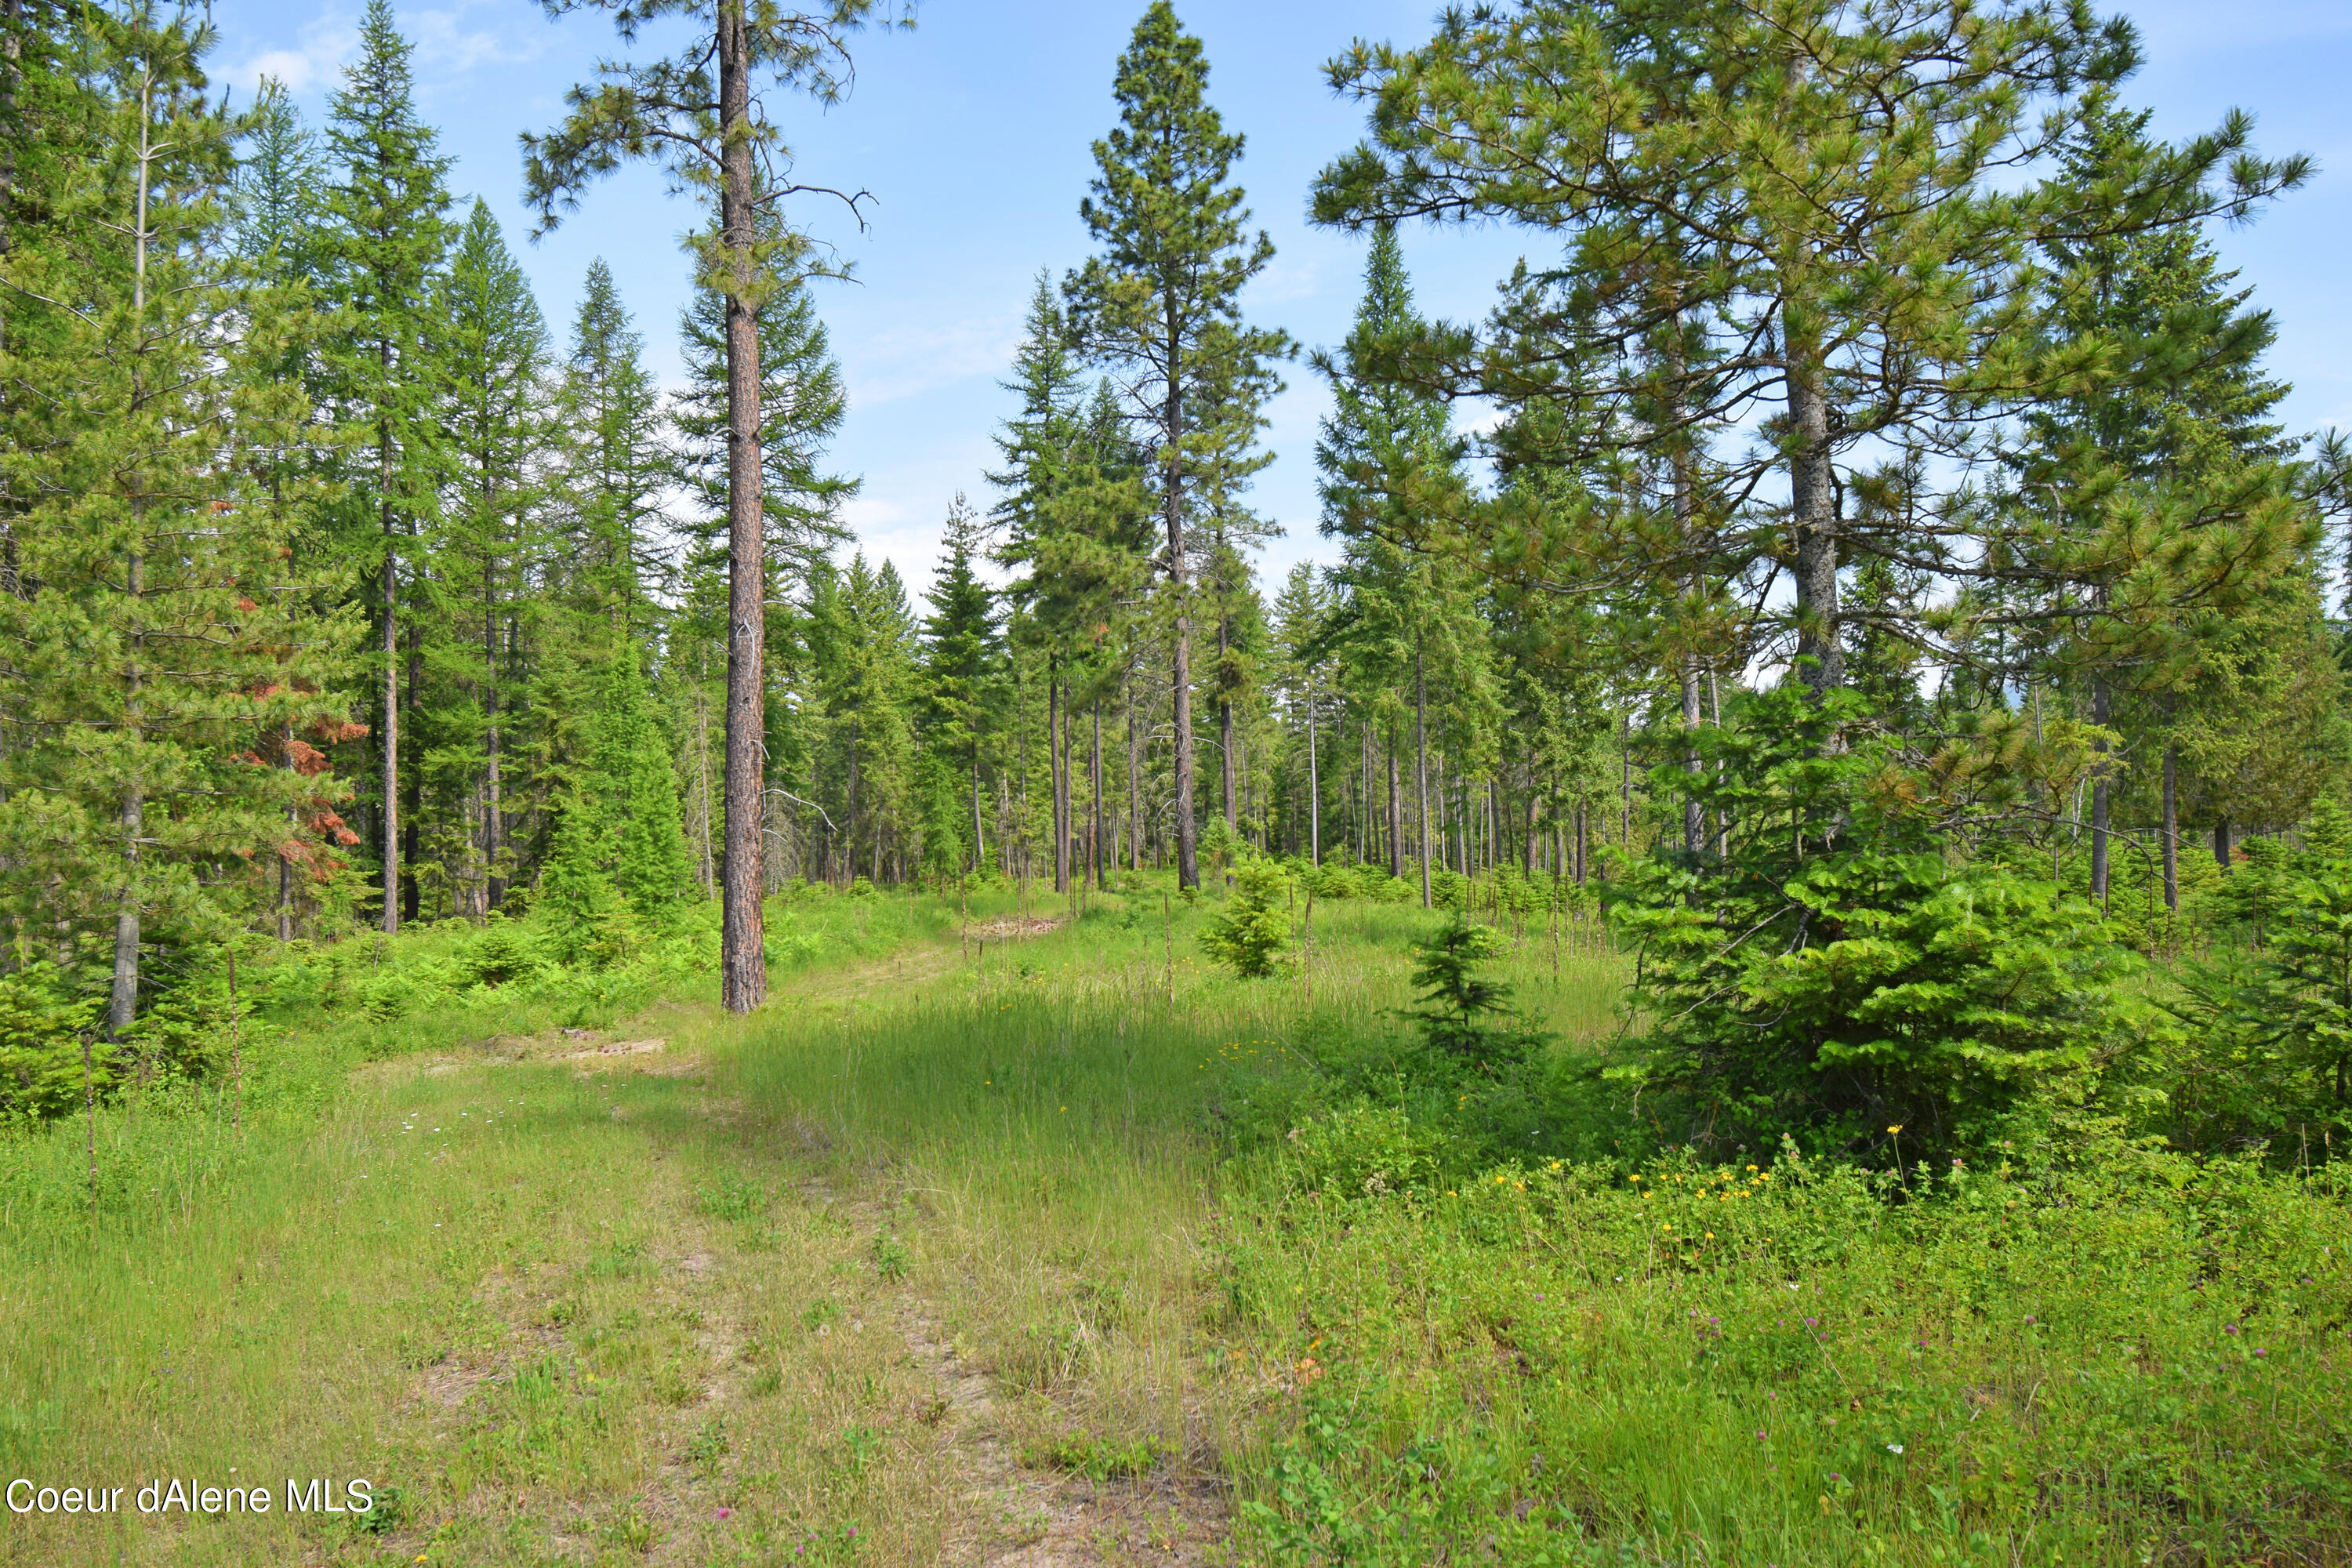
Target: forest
[1820,717]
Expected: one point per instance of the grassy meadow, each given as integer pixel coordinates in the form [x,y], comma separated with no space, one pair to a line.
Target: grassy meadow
[1001,1238]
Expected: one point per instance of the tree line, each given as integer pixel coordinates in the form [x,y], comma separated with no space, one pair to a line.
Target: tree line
[1880,350]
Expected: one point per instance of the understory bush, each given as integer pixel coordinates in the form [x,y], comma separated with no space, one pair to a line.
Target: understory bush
[2088,1351]
[1838,970]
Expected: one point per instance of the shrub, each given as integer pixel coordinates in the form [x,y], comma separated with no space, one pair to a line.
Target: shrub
[41,1027]
[1252,937]
[1462,1014]
[2269,1045]
[1834,975]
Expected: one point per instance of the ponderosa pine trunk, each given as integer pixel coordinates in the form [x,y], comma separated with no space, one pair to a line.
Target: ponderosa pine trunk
[742,956]
[1813,504]
[1188,838]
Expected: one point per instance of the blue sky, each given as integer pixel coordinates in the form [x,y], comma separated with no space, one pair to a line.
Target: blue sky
[972,133]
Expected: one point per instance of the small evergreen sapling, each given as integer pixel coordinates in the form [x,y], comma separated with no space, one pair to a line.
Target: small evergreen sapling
[1253,936]
[1462,1014]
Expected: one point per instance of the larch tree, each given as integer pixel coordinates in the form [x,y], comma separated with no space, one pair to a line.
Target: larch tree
[695,114]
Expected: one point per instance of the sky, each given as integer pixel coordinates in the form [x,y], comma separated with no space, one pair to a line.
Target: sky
[972,136]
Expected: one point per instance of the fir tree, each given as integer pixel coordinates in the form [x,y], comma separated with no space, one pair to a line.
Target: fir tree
[497,355]
[165,661]
[962,655]
[385,238]
[608,408]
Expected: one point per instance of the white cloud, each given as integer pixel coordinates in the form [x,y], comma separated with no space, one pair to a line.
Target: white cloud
[321,48]
[904,360]
[445,47]
[1283,281]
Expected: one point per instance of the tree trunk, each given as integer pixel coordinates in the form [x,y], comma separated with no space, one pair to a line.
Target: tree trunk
[1059,766]
[2171,831]
[122,1002]
[1227,773]
[1314,788]
[1813,517]
[742,958]
[1694,814]
[1395,824]
[1098,861]
[2099,702]
[1420,765]
[391,748]
[1531,850]
[1180,675]
[494,822]
[2222,847]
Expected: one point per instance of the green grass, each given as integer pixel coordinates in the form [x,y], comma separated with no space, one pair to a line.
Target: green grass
[691,1305]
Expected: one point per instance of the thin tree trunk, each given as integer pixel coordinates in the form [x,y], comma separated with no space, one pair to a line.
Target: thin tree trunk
[1420,765]
[1095,809]
[494,822]
[391,920]
[743,964]
[2171,830]
[122,1001]
[1060,772]
[1395,814]
[2099,703]
[2222,851]
[1180,675]
[1134,782]
[1314,788]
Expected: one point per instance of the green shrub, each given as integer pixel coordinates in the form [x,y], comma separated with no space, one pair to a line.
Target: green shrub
[1252,937]
[1460,1014]
[1834,975]
[2268,1050]
[42,1028]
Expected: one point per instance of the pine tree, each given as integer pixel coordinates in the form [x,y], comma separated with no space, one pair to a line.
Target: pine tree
[1163,302]
[696,114]
[1853,252]
[1389,462]
[803,402]
[2158,494]
[383,246]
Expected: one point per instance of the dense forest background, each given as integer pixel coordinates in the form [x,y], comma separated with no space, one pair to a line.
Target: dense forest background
[1870,452]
